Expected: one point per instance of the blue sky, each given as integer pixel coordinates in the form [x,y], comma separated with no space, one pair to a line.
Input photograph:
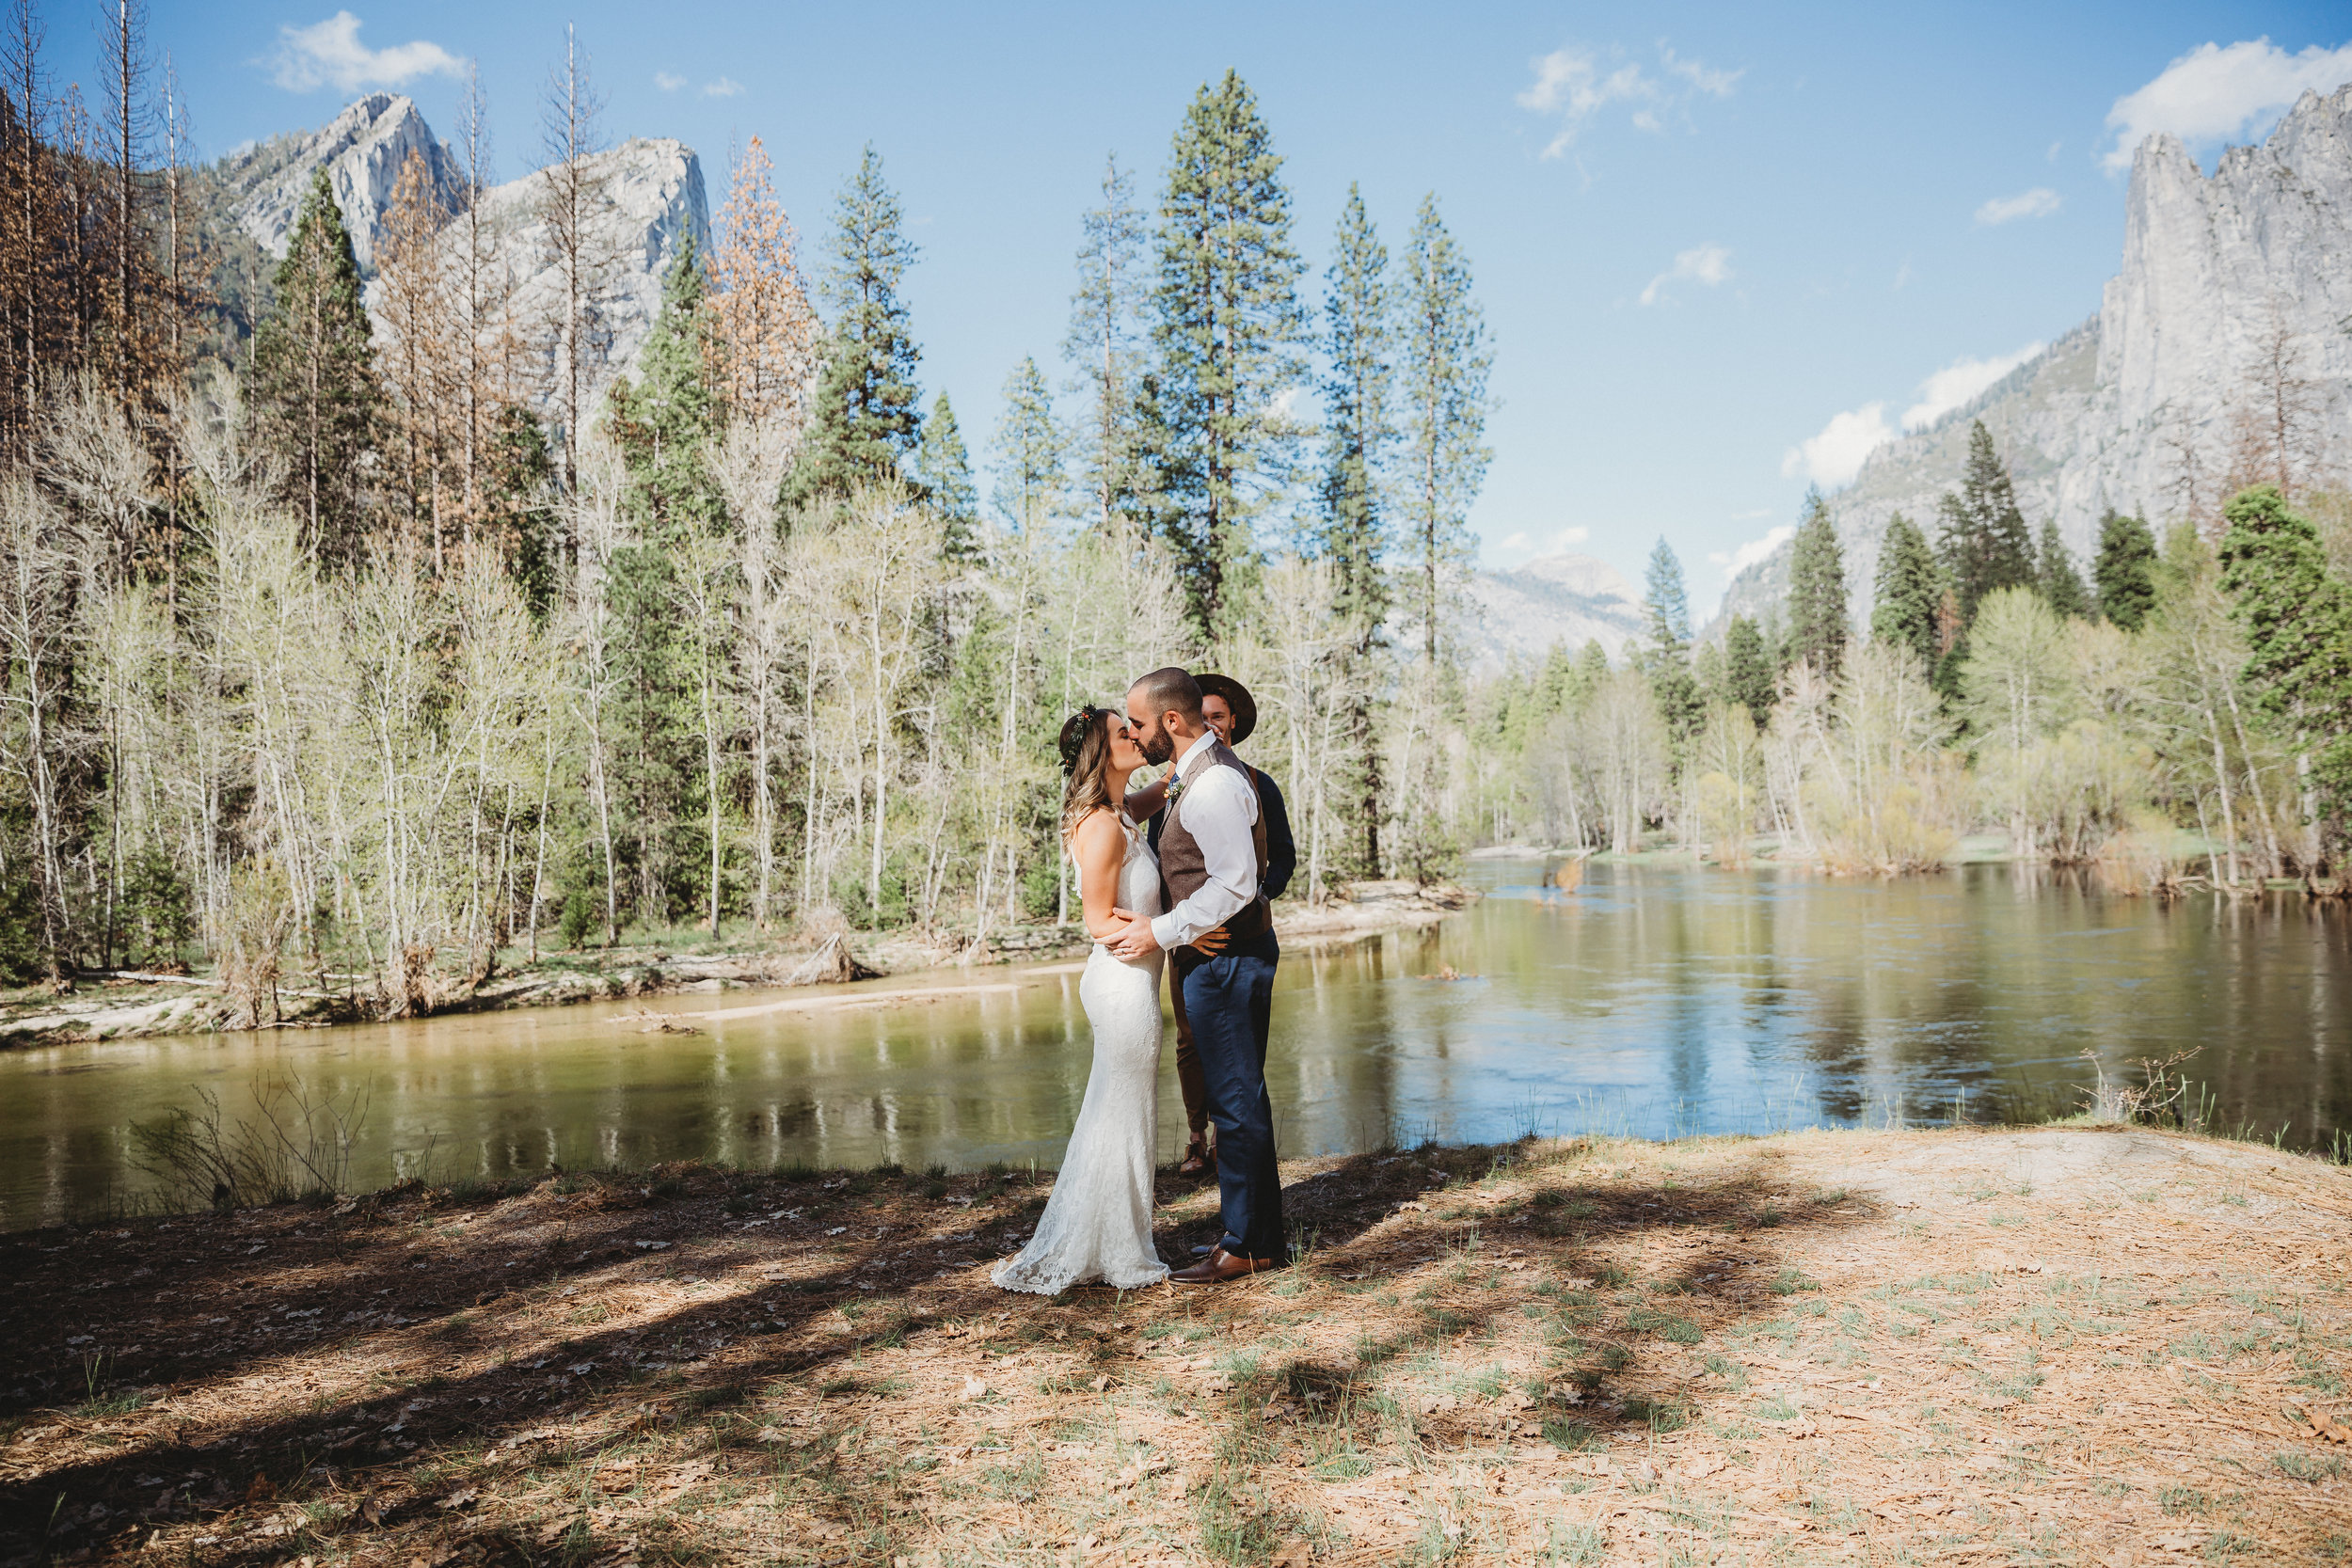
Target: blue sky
[1720,248]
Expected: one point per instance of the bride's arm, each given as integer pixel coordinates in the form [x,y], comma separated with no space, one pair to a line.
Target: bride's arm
[1099,845]
[1141,803]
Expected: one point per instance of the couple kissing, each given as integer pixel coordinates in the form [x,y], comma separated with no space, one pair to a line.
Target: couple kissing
[1190,893]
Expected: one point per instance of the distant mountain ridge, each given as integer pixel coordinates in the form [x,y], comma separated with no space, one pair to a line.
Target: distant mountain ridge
[2138,408]
[1567,598]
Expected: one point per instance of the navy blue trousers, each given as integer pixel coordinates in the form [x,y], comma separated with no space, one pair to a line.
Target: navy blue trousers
[1229,1001]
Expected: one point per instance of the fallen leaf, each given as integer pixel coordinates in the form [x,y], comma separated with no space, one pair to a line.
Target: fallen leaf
[973,1389]
[1293,1553]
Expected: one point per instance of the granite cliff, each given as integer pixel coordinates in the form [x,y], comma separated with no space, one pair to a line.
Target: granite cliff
[2234,288]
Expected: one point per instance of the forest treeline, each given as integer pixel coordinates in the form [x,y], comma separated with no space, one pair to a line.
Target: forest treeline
[376,651]
[2200,683]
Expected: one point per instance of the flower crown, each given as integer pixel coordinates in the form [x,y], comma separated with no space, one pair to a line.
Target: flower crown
[1075,731]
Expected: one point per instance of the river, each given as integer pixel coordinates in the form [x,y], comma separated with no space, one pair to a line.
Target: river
[1657,999]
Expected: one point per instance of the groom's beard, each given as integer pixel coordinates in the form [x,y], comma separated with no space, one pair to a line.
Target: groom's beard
[1158,746]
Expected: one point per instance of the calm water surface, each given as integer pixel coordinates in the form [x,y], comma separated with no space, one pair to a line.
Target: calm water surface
[1655,1000]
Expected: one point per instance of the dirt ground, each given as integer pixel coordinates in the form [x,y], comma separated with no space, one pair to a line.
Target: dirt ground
[2062,1345]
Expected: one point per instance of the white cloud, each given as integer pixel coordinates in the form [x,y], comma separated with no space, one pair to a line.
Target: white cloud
[1567,537]
[308,58]
[2217,92]
[1573,85]
[668,80]
[1960,381]
[2039,202]
[1715,84]
[1737,561]
[725,86]
[1516,541]
[1708,264]
[1834,456]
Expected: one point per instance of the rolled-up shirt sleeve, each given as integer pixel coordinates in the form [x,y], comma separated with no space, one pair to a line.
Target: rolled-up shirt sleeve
[1219,808]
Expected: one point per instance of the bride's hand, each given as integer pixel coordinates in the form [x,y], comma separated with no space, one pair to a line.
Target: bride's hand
[1210,943]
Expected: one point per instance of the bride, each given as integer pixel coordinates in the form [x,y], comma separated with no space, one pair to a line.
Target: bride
[1097,1226]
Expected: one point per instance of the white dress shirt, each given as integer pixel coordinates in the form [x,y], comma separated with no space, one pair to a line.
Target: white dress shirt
[1218,808]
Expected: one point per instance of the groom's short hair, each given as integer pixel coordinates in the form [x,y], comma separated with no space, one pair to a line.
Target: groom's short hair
[1172,688]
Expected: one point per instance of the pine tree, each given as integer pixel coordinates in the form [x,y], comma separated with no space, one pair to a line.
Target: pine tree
[2124,570]
[1910,586]
[1031,478]
[1982,537]
[763,334]
[2061,584]
[1104,341]
[2298,617]
[1351,528]
[943,466]
[665,420]
[315,394]
[1667,658]
[867,422]
[1445,361]
[1748,667]
[421,330]
[1225,328]
[1817,592]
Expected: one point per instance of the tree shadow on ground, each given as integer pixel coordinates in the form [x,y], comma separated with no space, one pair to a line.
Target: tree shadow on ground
[304,1355]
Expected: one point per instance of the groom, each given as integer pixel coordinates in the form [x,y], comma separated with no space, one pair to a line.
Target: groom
[1213,857]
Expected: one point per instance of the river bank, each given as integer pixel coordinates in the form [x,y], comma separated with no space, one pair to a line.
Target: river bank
[2069,1343]
[132,1006]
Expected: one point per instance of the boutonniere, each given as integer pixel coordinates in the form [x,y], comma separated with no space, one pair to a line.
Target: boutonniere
[1175,787]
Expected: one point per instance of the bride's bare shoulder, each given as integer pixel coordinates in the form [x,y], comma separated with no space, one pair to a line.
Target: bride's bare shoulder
[1097,833]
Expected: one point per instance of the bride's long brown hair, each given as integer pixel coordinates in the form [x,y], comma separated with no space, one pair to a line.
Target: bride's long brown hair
[1086,756]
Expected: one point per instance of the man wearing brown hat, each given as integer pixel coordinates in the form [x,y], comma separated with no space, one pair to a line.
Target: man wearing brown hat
[1228,708]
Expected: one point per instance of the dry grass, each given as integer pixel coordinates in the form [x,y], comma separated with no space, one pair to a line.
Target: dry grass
[2061,1345]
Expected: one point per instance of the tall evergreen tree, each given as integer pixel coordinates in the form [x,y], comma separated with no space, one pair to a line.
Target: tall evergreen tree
[2298,617]
[664,421]
[1225,328]
[1748,667]
[1031,478]
[943,466]
[1105,343]
[2124,570]
[1359,433]
[1816,591]
[2061,584]
[1981,536]
[1667,658]
[1910,586]
[1445,358]
[315,388]
[867,421]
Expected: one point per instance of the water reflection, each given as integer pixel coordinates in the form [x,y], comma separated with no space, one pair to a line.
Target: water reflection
[1654,1000]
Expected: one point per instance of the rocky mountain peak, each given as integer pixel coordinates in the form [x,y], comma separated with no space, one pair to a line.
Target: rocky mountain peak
[363,150]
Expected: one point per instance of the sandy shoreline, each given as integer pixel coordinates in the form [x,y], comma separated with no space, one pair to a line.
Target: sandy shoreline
[115,1009]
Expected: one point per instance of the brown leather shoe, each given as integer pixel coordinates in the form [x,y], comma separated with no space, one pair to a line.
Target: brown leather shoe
[1196,1158]
[1220,1267]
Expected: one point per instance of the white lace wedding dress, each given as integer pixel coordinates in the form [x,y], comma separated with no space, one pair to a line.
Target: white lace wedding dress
[1097,1226]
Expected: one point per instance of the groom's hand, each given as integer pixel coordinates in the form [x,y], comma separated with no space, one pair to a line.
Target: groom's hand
[1136,941]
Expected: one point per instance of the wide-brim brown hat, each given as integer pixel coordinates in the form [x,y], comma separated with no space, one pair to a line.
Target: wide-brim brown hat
[1236,697]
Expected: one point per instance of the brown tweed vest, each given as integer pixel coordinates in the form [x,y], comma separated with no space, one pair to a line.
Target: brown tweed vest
[1183,866]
